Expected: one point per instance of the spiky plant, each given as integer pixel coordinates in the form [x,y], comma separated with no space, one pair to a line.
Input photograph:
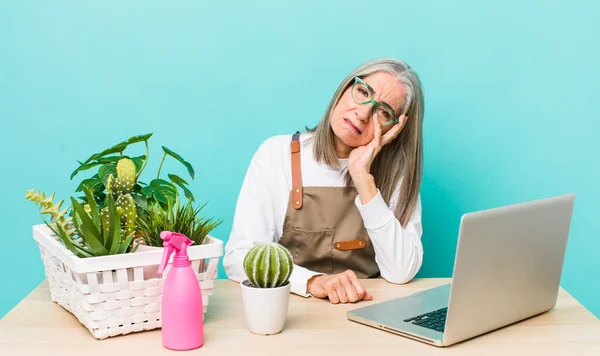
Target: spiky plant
[59,217]
[184,219]
[268,265]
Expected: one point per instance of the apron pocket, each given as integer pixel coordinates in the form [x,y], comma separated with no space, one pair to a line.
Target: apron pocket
[312,249]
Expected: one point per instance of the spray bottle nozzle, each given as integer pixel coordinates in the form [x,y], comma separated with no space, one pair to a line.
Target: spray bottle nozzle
[174,242]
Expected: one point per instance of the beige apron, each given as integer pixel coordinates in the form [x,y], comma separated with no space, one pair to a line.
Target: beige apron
[323,229]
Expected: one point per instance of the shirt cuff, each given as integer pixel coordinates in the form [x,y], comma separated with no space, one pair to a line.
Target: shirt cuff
[299,278]
[375,213]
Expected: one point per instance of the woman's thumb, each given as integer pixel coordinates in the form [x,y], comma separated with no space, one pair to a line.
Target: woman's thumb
[367,296]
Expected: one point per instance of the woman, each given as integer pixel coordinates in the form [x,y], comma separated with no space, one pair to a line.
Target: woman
[344,197]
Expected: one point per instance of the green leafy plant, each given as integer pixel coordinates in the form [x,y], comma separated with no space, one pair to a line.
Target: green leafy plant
[268,265]
[184,219]
[117,206]
[98,233]
[158,191]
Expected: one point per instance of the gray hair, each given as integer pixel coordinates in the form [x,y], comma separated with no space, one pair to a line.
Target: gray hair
[400,160]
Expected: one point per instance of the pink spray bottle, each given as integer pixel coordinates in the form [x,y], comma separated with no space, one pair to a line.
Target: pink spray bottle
[182,311]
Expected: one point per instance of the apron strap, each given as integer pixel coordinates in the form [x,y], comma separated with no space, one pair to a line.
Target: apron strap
[296,171]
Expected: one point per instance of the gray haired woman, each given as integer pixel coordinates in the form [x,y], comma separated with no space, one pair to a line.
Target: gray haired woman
[344,196]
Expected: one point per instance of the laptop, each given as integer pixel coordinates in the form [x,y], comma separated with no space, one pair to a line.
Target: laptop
[507,268]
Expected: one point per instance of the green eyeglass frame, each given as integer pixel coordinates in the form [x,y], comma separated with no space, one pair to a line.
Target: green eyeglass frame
[376,104]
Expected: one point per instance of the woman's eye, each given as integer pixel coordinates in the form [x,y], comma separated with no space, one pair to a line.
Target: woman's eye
[385,113]
[363,92]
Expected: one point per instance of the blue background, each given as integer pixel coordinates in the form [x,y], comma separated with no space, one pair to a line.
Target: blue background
[511,90]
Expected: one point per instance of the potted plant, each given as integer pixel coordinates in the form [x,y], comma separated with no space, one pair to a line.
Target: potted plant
[266,292]
[86,247]
[182,218]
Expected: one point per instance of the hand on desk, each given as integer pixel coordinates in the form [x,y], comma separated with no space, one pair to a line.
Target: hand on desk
[339,288]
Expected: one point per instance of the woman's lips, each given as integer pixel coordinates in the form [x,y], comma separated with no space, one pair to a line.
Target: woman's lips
[351,125]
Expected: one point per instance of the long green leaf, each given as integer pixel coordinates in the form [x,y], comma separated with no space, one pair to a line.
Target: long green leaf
[61,235]
[187,165]
[108,241]
[115,226]
[125,243]
[75,248]
[90,233]
[94,211]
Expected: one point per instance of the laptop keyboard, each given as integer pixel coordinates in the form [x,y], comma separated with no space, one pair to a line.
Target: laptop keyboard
[434,320]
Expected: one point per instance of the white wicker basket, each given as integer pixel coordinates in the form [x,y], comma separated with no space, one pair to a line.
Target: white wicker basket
[109,294]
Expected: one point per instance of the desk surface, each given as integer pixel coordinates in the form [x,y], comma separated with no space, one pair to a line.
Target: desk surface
[37,326]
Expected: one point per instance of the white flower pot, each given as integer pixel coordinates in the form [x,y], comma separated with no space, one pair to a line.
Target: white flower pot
[265,308]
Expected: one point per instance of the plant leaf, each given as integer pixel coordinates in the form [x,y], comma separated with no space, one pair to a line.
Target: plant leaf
[125,243]
[180,159]
[182,184]
[90,233]
[139,162]
[94,211]
[114,226]
[118,148]
[138,138]
[84,167]
[147,191]
[175,178]
[105,170]
[163,191]
[141,201]
[92,183]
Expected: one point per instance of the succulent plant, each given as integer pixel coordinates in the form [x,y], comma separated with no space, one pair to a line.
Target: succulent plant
[99,230]
[59,217]
[184,219]
[268,265]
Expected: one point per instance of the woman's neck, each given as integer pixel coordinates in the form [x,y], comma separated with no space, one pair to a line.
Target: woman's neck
[342,151]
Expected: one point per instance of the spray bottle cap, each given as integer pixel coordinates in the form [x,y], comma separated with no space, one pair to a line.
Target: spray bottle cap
[174,242]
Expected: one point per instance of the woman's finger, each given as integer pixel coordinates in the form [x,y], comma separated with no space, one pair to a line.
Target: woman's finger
[377,133]
[395,131]
[333,297]
[341,293]
[358,287]
[349,288]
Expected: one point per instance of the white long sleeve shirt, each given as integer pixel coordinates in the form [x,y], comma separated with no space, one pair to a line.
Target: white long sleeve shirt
[262,205]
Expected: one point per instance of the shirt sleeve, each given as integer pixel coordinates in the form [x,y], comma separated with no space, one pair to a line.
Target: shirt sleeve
[398,250]
[254,221]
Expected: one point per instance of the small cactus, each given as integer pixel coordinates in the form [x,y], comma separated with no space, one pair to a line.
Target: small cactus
[112,186]
[105,218]
[126,175]
[128,213]
[268,265]
[59,217]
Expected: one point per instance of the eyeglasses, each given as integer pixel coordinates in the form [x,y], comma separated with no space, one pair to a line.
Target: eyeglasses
[363,94]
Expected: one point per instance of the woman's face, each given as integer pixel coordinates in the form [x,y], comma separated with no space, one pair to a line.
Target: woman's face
[352,123]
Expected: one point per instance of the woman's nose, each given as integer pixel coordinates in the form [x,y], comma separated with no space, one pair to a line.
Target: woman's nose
[364,112]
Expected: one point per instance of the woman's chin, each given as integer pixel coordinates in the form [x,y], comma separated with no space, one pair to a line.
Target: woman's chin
[348,140]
